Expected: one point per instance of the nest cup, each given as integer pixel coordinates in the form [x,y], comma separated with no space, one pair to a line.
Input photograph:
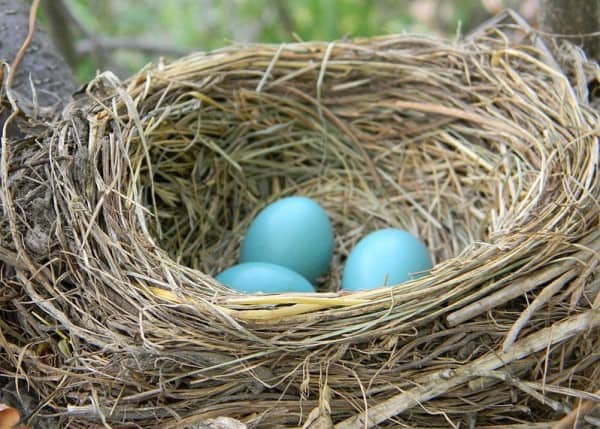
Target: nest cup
[118,216]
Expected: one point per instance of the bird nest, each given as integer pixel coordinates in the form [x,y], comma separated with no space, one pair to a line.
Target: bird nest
[118,214]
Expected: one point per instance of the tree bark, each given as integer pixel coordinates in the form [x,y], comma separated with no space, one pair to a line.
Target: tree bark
[52,78]
[580,18]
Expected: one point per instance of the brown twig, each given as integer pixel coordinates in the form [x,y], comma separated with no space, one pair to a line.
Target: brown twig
[570,420]
[19,57]
[445,380]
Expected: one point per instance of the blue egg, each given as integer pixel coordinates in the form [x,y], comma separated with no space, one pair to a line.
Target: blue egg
[294,232]
[384,257]
[252,277]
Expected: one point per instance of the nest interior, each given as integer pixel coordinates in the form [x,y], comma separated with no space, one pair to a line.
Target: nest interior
[117,216]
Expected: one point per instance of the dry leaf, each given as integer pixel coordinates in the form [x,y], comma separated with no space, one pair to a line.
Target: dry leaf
[9,417]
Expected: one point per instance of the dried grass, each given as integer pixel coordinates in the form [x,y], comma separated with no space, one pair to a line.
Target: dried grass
[116,217]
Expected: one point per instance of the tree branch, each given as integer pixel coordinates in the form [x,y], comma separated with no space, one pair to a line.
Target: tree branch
[61,19]
[100,48]
[60,30]
[287,22]
[568,18]
[51,78]
[570,420]
[115,44]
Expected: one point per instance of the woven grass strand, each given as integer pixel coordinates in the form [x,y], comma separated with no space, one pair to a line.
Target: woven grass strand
[125,206]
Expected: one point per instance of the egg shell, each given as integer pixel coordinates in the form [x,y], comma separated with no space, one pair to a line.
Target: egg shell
[294,232]
[384,257]
[253,277]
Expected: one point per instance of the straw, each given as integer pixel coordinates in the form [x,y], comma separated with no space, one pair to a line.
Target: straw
[119,211]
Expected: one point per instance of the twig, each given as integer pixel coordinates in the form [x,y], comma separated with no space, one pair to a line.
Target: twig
[526,388]
[521,286]
[5,194]
[544,296]
[442,381]
[75,21]
[287,21]
[570,420]
[92,42]
[59,16]
[579,284]
[115,44]
[512,291]
[104,60]
[19,57]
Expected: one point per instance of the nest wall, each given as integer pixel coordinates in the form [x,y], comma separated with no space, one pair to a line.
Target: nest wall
[118,214]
